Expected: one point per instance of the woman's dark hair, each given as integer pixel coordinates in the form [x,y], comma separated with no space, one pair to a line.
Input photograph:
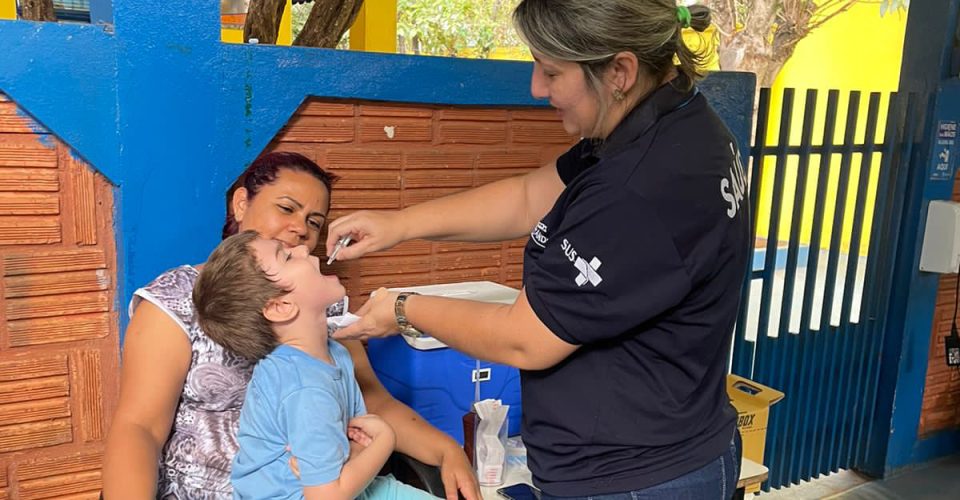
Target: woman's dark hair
[264,171]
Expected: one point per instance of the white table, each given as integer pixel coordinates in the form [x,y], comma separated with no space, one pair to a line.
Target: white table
[750,473]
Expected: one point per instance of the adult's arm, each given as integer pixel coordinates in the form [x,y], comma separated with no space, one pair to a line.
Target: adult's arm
[498,211]
[359,469]
[527,343]
[415,436]
[156,358]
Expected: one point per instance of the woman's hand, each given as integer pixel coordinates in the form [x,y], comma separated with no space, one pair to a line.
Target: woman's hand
[457,475]
[370,231]
[377,318]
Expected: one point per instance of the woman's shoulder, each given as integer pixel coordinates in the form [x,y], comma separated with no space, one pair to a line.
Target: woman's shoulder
[171,291]
[175,278]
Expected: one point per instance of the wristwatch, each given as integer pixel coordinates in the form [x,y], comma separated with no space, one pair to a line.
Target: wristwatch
[398,309]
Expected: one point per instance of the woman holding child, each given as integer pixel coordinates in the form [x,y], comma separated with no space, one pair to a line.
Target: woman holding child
[639,237]
[181,393]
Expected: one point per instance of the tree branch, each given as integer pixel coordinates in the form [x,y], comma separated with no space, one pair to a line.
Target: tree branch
[263,20]
[327,22]
[826,17]
[37,10]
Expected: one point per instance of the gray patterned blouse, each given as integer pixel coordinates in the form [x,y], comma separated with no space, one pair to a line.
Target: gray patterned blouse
[195,461]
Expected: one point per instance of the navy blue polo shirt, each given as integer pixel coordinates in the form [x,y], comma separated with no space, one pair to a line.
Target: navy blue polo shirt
[640,263]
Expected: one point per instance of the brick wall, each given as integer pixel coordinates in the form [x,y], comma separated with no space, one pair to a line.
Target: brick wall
[394,156]
[941,394]
[58,324]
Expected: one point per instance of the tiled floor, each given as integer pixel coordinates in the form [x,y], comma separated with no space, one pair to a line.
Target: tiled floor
[935,481]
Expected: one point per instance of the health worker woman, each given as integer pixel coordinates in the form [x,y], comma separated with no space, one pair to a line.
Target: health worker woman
[638,244]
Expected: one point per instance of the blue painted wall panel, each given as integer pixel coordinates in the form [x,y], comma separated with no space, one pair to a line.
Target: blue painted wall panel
[64,76]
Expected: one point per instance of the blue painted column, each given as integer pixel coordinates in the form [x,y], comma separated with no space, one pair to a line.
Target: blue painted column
[169,80]
[926,70]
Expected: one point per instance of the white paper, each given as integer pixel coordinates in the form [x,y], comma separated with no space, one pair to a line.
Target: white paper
[490,441]
[338,322]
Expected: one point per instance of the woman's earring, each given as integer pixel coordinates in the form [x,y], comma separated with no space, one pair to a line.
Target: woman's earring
[618,95]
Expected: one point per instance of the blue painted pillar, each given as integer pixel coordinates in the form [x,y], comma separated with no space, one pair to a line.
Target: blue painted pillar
[926,70]
[169,78]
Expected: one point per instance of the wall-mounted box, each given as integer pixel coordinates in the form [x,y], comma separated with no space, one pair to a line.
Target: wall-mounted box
[941,238]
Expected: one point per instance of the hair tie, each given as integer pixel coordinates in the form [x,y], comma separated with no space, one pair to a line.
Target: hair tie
[683,15]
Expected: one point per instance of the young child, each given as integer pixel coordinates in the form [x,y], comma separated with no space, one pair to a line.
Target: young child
[268,303]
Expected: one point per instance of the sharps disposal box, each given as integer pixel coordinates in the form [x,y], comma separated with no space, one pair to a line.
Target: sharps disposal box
[437,381]
[752,401]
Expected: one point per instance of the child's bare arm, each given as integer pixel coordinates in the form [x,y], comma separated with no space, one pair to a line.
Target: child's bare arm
[360,469]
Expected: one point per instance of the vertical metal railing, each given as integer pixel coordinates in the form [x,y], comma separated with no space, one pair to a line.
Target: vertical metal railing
[744,350]
[903,116]
[817,335]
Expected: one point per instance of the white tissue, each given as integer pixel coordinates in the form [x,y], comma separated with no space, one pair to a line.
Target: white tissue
[490,437]
[338,322]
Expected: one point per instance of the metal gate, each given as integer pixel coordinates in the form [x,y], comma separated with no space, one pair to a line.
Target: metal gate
[812,305]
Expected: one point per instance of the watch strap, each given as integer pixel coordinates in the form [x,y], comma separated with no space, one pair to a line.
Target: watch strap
[399,311]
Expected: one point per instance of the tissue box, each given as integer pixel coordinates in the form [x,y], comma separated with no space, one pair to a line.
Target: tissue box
[438,382]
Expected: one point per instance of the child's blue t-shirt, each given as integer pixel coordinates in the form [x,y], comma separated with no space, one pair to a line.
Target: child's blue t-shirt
[295,400]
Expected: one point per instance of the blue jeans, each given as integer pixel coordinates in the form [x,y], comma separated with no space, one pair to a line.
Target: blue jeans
[714,481]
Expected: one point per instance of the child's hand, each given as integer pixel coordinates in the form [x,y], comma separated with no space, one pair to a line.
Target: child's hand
[355,446]
[358,437]
[371,425]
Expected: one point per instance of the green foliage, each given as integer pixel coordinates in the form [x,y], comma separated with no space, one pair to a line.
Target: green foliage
[451,27]
[892,5]
[298,17]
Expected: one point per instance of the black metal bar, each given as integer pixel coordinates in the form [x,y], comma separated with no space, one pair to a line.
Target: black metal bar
[812,410]
[857,357]
[797,388]
[876,250]
[820,149]
[891,244]
[764,370]
[744,351]
[836,239]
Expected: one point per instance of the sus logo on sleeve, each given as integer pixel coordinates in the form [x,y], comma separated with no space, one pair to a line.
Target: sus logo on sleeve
[587,270]
[733,188]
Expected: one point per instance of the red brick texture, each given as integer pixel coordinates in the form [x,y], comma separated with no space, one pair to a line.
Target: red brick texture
[394,156]
[941,394]
[58,325]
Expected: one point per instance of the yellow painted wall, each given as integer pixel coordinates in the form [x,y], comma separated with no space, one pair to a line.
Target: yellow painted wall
[8,9]
[857,50]
[375,28]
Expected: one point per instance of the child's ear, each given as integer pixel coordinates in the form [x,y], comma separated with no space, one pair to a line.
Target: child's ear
[280,310]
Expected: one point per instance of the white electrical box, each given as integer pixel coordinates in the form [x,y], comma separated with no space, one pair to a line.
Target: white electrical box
[941,238]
